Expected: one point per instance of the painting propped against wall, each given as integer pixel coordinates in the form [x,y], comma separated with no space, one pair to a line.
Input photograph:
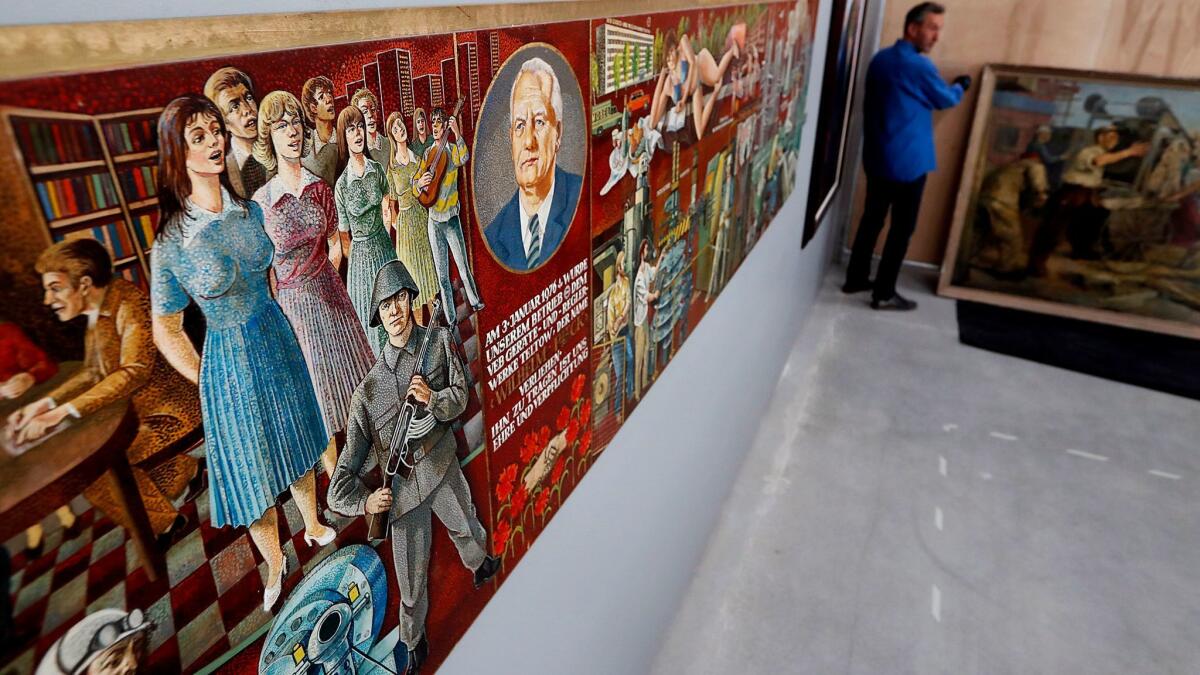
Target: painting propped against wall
[1079,199]
[302,348]
[837,104]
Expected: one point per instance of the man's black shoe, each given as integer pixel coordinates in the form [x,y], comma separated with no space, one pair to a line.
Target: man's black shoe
[851,287]
[417,656]
[486,570]
[897,302]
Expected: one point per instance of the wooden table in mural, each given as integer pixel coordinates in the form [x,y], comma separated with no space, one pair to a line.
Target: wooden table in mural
[56,470]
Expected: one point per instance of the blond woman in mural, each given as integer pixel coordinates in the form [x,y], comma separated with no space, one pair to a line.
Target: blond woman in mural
[300,218]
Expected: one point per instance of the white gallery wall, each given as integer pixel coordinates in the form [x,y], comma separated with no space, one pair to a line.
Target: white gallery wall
[600,588]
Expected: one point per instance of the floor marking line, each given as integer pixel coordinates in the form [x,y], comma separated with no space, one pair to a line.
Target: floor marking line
[937,517]
[1087,455]
[936,604]
[1164,474]
[942,464]
[1003,437]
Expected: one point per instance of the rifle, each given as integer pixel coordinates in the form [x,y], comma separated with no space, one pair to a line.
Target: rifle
[398,460]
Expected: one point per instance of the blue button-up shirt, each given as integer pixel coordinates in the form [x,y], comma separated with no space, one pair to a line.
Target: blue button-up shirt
[903,90]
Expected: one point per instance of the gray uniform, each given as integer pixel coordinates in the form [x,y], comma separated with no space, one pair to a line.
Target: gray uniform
[436,484]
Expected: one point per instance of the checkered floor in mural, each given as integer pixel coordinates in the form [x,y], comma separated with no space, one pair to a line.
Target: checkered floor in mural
[211,600]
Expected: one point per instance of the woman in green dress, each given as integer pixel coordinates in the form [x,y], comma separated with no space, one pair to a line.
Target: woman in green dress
[359,194]
[410,220]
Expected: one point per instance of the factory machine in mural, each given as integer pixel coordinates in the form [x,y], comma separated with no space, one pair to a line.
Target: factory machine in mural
[301,350]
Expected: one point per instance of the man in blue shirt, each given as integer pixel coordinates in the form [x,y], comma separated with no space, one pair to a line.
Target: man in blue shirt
[903,89]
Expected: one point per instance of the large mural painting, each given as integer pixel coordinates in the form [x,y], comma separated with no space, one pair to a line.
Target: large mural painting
[301,350]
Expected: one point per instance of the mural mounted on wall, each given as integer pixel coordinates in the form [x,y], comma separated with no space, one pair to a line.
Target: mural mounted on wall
[304,348]
[837,104]
[696,121]
[1079,198]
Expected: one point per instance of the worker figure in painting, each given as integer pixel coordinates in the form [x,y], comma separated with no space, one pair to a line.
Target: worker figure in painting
[436,484]
[903,90]
[1002,244]
[1040,146]
[1075,207]
[121,363]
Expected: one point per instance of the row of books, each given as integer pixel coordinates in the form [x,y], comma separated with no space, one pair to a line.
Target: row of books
[113,235]
[139,182]
[144,225]
[64,197]
[131,136]
[48,142]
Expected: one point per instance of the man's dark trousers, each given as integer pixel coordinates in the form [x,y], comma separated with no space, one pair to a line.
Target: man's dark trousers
[904,200]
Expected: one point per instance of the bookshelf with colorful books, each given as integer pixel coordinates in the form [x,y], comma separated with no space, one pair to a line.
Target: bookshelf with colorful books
[90,176]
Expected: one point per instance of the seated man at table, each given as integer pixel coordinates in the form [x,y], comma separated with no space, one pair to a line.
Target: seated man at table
[120,363]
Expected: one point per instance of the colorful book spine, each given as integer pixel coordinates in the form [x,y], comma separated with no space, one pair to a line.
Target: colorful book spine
[76,195]
[47,142]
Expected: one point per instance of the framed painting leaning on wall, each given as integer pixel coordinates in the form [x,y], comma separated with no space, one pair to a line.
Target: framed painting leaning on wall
[1080,198]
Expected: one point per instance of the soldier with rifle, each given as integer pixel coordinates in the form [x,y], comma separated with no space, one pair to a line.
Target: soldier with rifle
[406,405]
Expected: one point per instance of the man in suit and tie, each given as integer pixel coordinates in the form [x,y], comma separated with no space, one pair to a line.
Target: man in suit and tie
[532,225]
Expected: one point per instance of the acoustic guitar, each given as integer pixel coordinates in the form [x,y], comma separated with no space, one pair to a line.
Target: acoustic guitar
[437,162]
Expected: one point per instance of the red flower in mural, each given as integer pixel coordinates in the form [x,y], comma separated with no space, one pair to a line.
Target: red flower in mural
[564,416]
[557,472]
[505,487]
[519,499]
[539,506]
[585,411]
[530,448]
[500,537]
[577,387]
[572,431]
[544,436]
[585,443]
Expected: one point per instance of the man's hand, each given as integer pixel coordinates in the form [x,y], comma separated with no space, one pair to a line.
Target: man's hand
[22,417]
[426,179]
[1138,149]
[16,385]
[387,210]
[963,81]
[41,425]
[453,124]
[380,501]
[419,390]
[545,461]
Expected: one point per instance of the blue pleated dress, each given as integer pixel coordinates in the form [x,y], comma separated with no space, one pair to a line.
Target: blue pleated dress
[262,425]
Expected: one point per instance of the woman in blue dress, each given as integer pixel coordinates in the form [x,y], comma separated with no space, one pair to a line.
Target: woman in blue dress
[359,195]
[263,429]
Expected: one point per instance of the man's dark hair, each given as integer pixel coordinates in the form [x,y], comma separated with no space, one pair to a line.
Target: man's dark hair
[437,114]
[918,13]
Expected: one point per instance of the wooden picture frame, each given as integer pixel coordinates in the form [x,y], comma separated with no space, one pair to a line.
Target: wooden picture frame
[839,87]
[1002,78]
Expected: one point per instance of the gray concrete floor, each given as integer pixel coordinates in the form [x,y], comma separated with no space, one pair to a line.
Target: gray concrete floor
[912,505]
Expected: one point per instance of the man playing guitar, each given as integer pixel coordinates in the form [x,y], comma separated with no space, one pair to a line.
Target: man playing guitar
[445,228]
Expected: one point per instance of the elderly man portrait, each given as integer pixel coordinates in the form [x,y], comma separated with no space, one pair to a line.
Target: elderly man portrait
[121,363]
[534,222]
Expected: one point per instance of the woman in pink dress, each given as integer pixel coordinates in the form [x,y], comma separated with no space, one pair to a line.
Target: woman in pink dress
[301,219]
